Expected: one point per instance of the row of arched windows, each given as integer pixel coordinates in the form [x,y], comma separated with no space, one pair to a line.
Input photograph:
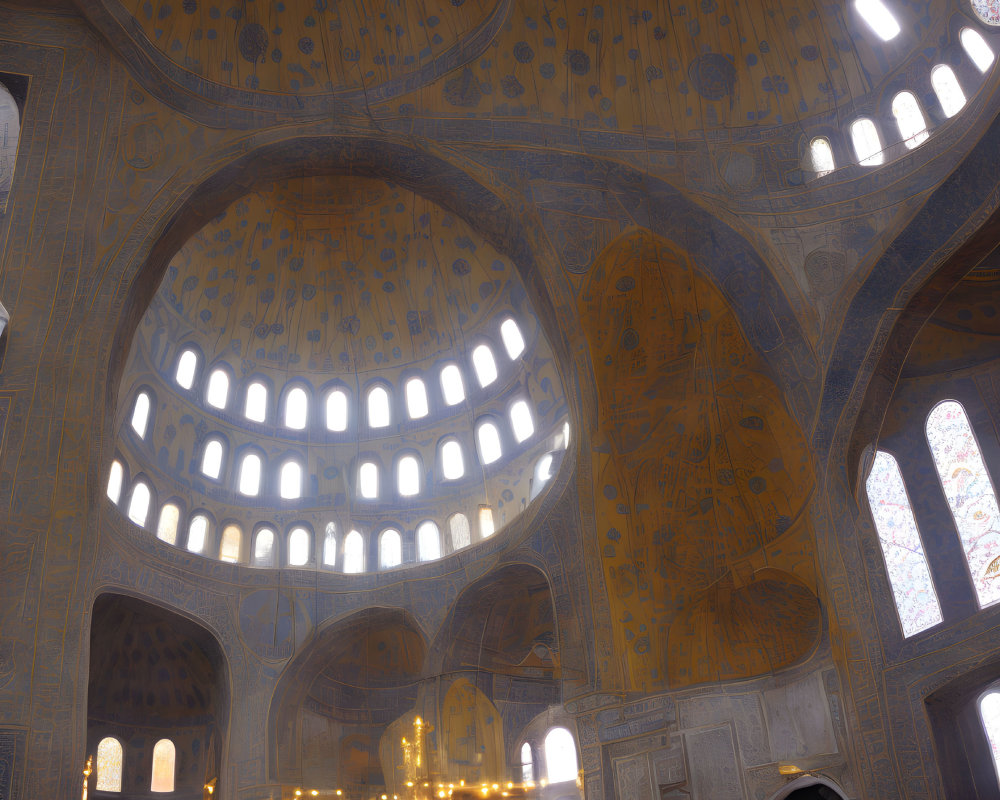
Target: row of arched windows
[968,489]
[111,763]
[559,750]
[378,405]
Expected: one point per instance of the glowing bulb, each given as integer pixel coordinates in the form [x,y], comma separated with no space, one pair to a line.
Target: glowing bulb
[314,792]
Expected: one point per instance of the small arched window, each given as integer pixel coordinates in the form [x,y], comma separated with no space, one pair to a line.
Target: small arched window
[486,524]
[263,548]
[485,365]
[909,119]
[520,420]
[948,90]
[378,408]
[488,439]
[867,145]
[452,462]
[390,549]
[109,765]
[296,409]
[217,395]
[368,480]
[10,131]
[211,459]
[408,476]
[232,543]
[428,541]
[513,341]
[255,409]
[336,410]
[975,45]
[163,767]
[187,364]
[527,764]
[250,472]
[970,494]
[138,506]
[290,480]
[330,545]
[452,386]
[543,469]
[354,553]
[166,528]
[416,398]
[115,477]
[197,533]
[989,710]
[298,547]
[140,414]
[821,154]
[560,756]
[461,533]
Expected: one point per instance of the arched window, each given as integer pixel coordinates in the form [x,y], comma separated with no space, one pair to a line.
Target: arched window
[217,395]
[10,131]
[878,17]
[428,541]
[290,481]
[416,398]
[513,341]
[452,386]
[560,756]
[354,553]
[368,480]
[905,561]
[989,710]
[461,533]
[909,119]
[378,408]
[197,533]
[296,409]
[527,764]
[140,414]
[408,476]
[520,420]
[250,471]
[486,525]
[488,439]
[543,469]
[186,366]
[821,154]
[115,477]
[330,545]
[390,549]
[948,90]
[256,405]
[970,494]
[336,410]
[211,459]
[109,765]
[263,548]
[867,145]
[166,528]
[232,543]
[485,365]
[452,462]
[298,547]
[138,506]
[975,45]
[163,767]
[987,11]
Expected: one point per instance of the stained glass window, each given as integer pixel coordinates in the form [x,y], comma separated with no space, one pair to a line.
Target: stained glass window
[905,561]
[970,494]
[560,756]
[163,767]
[461,533]
[989,708]
[988,11]
[109,765]
[232,541]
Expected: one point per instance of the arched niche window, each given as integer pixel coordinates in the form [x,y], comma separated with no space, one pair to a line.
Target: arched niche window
[867,145]
[948,90]
[197,533]
[879,18]
[909,119]
[255,409]
[290,480]
[187,365]
[513,341]
[164,755]
[390,549]
[560,756]
[527,764]
[452,462]
[354,553]
[330,545]
[368,480]
[488,440]
[211,459]
[821,155]
[138,505]
[109,765]
[217,394]
[408,476]
[336,410]
[116,476]
[140,414]
[521,421]
[10,132]
[231,544]
[543,469]
[428,541]
[452,385]
[298,547]
[461,533]
[905,561]
[166,528]
[970,494]
[416,398]
[486,524]
[485,365]
[263,548]
[251,468]
[977,49]
[296,408]
[989,711]
[378,408]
